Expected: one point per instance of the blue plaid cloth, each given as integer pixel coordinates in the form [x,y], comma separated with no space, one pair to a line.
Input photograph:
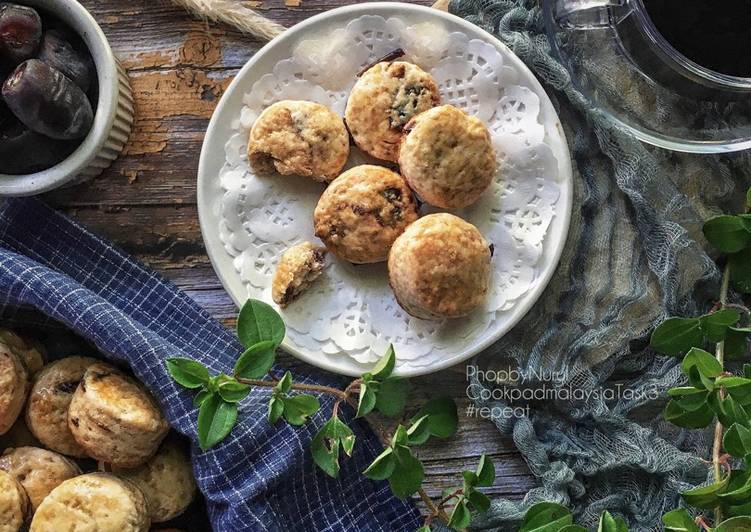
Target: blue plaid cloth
[261,477]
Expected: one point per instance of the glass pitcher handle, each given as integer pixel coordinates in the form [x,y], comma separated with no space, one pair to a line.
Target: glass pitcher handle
[590,14]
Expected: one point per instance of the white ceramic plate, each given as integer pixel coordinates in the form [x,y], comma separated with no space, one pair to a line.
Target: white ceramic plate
[213,197]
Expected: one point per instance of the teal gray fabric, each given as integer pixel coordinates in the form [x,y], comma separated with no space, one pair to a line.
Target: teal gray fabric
[635,255]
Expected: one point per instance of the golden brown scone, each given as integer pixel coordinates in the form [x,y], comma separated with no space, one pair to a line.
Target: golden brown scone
[166,481]
[447,157]
[96,502]
[47,408]
[30,352]
[39,471]
[381,103]
[114,418]
[14,384]
[298,268]
[298,137]
[362,212]
[440,267]
[14,503]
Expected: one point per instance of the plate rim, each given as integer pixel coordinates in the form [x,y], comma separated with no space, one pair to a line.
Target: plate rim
[212,241]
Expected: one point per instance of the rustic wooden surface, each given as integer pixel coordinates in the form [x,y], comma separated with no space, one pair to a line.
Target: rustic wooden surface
[146,202]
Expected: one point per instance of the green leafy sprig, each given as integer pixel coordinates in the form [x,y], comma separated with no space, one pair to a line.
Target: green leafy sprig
[712,395]
[261,331]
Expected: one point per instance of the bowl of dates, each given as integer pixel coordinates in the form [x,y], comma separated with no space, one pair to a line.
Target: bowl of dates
[65,103]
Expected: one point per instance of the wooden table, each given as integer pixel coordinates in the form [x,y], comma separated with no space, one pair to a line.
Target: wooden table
[146,202]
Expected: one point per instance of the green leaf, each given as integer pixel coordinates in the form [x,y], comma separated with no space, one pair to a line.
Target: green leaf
[738,489]
[739,509]
[382,467]
[259,322]
[734,412]
[187,372]
[736,343]
[737,440]
[470,481]
[485,472]
[727,233]
[201,397]
[392,396]
[748,198]
[715,326]
[408,473]
[707,365]
[546,517]
[675,336]
[740,272]
[233,391]
[609,523]
[285,383]
[747,371]
[706,497]
[443,419]
[276,409]
[698,380]
[573,528]
[334,435]
[739,388]
[734,524]
[679,521]
[256,361]
[400,436]
[689,398]
[479,501]
[460,516]
[299,408]
[694,419]
[215,421]
[385,366]
[419,431]
[367,400]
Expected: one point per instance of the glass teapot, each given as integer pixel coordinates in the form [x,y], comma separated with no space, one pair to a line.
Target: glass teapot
[626,68]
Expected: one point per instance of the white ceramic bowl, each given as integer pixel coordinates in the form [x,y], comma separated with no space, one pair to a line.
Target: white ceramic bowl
[114,111]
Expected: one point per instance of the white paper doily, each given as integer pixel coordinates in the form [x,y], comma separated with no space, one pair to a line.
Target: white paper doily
[348,318]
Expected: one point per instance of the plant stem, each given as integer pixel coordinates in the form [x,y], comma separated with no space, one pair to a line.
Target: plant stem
[718,431]
[300,387]
[434,510]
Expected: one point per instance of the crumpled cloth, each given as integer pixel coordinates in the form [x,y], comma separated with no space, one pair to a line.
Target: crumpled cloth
[261,477]
[635,255]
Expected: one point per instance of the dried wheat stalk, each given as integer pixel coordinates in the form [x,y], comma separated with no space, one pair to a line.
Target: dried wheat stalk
[233,12]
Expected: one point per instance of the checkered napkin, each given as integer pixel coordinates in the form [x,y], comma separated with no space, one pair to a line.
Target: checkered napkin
[261,477]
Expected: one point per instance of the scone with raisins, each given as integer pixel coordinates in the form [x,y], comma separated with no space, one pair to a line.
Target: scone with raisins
[440,267]
[384,99]
[447,157]
[14,504]
[300,138]
[30,352]
[298,268]
[114,418]
[166,481]
[47,409]
[39,471]
[96,501]
[362,212]
[14,383]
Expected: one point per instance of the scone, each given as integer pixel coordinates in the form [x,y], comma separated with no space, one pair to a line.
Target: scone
[440,267]
[93,502]
[384,99]
[114,418]
[298,268]
[14,503]
[47,408]
[166,481]
[447,157]
[298,137]
[362,212]
[39,471]
[30,352]
[14,383]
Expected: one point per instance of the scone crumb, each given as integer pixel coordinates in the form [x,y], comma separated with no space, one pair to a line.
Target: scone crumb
[298,268]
